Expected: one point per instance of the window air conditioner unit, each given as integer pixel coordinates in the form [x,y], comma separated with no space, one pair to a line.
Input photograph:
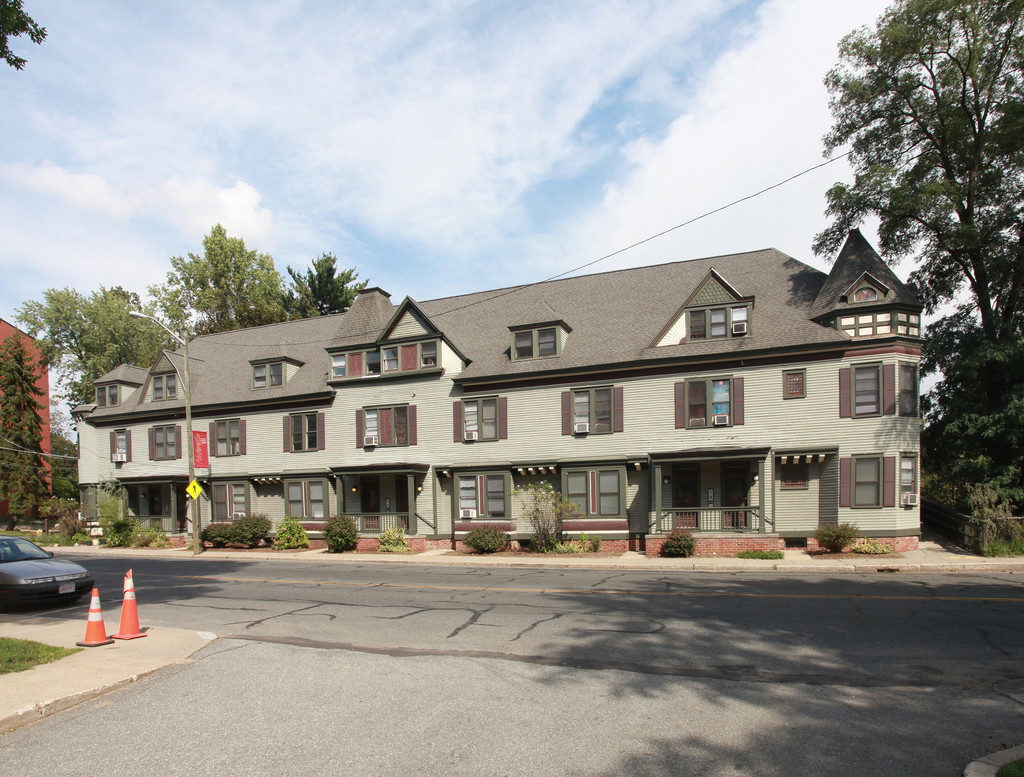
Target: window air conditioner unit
[471,435]
[739,327]
[236,516]
[468,513]
[119,457]
[910,500]
[370,441]
[582,428]
[699,421]
[721,419]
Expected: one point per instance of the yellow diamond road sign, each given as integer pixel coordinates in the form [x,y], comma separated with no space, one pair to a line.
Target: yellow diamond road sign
[194,489]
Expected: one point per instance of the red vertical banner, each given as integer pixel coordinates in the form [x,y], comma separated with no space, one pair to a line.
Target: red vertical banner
[200,449]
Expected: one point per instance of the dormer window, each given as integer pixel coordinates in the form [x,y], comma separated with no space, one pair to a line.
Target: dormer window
[428,354]
[165,386]
[537,343]
[107,396]
[264,375]
[390,359]
[865,294]
[716,323]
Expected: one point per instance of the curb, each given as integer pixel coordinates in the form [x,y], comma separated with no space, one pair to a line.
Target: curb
[989,765]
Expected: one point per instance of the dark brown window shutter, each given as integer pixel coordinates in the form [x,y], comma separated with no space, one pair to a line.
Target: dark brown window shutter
[177,442]
[113,443]
[502,418]
[241,437]
[889,481]
[617,409]
[410,357]
[360,425]
[152,444]
[321,431]
[211,442]
[680,402]
[888,389]
[128,443]
[845,407]
[566,412]
[845,481]
[354,365]
[457,421]
[287,434]
[412,425]
[737,401]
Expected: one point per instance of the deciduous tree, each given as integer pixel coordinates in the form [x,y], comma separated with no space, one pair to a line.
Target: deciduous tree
[228,287]
[930,103]
[14,22]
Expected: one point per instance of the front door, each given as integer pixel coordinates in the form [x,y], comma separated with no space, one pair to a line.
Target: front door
[369,502]
[685,494]
[735,492]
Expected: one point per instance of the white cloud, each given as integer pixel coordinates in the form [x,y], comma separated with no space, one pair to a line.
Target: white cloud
[195,206]
[83,191]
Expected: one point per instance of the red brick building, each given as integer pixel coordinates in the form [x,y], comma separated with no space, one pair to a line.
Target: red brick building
[43,383]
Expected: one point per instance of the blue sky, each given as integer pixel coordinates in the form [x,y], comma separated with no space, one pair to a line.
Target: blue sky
[436,147]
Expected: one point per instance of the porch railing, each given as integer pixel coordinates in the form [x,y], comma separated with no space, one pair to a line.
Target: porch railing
[712,519]
[375,523]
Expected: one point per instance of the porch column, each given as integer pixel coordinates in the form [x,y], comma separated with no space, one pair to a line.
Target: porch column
[654,520]
[410,484]
[761,507]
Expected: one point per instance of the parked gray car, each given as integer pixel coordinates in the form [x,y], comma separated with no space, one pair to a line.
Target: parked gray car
[30,574]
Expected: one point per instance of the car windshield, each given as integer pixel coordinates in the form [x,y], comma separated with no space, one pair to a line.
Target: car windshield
[17,549]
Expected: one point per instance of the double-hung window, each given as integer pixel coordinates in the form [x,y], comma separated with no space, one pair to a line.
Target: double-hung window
[867,481]
[390,359]
[164,442]
[480,417]
[338,366]
[908,402]
[482,496]
[306,498]
[230,501]
[428,354]
[592,410]
[908,477]
[867,390]
[228,437]
[596,492]
[383,426]
[716,323]
[710,402]
[165,386]
[535,343]
[264,375]
[106,396]
[305,431]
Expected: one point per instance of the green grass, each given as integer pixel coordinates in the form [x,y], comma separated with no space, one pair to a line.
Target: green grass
[17,655]
[997,548]
[767,554]
[1012,769]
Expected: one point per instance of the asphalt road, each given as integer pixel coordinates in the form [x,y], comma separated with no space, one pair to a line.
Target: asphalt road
[374,669]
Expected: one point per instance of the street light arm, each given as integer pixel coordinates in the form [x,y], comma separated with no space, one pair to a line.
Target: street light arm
[137,314]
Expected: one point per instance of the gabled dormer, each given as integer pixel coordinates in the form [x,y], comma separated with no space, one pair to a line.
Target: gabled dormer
[408,343]
[117,385]
[270,372]
[863,298]
[714,310]
[163,383]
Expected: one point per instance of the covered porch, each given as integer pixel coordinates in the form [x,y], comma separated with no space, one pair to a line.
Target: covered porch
[717,491]
[383,496]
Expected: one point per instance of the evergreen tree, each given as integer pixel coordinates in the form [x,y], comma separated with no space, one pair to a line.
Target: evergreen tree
[322,290]
[22,474]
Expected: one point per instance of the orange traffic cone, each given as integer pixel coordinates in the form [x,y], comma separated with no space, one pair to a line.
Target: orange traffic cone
[129,611]
[95,631]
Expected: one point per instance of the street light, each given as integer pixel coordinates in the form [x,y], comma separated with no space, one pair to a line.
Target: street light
[188,427]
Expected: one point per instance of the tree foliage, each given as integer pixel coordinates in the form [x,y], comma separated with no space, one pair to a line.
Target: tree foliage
[14,22]
[22,473]
[321,290]
[63,466]
[930,104]
[228,287]
[84,337]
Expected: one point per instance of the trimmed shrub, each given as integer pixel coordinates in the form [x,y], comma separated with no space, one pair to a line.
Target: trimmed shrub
[679,543]
[341,533]
[152,537]
[765,554]
[250,530]
[290,534]
[216,535]
[392,540]
[487,539]
[835,538]
[871,548]
[120,532]
[584,544]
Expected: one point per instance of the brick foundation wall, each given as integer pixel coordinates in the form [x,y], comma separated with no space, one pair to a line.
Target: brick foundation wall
[727,546]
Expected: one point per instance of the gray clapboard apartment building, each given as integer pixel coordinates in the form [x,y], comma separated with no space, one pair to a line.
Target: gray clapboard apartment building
[749,398]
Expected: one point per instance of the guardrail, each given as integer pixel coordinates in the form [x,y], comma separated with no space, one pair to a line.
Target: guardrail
[711,519]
